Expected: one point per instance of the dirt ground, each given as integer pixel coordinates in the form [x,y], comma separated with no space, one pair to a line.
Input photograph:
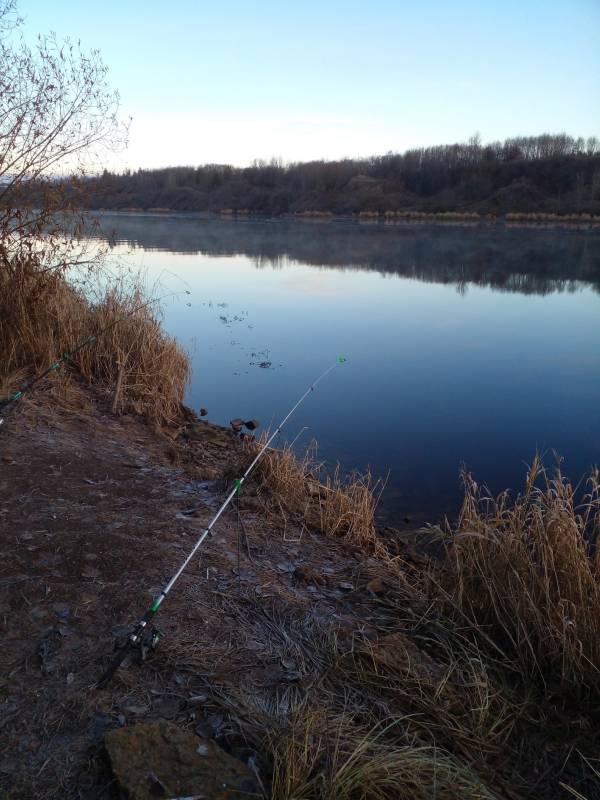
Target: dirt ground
[96,513]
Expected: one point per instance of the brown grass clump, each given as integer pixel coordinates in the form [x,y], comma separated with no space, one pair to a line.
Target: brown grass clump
[156,369]
[43,316]
[338,506]
[524,573]
[338,759]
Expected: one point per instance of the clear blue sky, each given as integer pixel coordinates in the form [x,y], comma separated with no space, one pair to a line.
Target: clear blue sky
[234,80]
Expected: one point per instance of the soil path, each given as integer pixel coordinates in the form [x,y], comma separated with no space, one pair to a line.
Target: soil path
[94,518]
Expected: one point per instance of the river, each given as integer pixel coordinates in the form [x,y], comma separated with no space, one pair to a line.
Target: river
[473,345]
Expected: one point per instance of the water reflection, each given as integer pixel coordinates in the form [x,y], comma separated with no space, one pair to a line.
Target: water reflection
[529,261]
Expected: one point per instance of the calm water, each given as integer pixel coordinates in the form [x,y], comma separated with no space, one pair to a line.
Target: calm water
[464,344]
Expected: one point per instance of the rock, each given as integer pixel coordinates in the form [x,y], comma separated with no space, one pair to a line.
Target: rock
[138,710]
[237,424]
[346,586]
[62,610]
[376,586]
[285,566]
[159,759]
[204,412]
[198,699]
[308,575]
[252,424]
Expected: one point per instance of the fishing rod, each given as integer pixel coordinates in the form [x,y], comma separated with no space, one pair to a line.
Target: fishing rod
[68,354]
[137,634]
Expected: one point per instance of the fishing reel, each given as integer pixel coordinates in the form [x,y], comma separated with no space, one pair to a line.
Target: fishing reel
[129,651]
[148,642]
[142,648]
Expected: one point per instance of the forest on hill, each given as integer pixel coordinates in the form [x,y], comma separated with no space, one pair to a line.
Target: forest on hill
[550,173]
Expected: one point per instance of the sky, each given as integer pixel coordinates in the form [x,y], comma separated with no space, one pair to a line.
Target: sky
[230,81]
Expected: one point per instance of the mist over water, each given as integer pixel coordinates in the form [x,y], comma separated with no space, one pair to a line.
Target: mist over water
[465,344]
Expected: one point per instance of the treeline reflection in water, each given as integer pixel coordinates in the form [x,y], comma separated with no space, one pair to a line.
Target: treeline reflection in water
[523,260]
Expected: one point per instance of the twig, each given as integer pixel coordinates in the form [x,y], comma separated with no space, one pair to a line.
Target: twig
[115,402]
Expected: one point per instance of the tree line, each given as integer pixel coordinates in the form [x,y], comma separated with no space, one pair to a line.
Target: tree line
[551,173]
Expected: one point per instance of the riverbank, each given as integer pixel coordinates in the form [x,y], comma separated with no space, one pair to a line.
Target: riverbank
[306,652]
[326,666]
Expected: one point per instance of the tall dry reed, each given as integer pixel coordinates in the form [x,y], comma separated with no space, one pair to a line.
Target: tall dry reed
[339,506]
[524,571]
[43,316]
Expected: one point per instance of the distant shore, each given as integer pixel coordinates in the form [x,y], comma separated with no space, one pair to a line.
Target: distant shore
[513,219]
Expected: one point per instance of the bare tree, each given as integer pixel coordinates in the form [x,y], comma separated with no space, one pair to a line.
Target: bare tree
[58,116]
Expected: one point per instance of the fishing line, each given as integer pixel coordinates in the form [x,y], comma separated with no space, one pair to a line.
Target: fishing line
[297,436]
[68,354]
[138,632]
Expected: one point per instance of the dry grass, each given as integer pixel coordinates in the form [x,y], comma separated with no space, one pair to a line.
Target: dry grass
[380,721]
[339,506]
[478,681]
[523,572]
[373,723]
[338,759]
[42,316]
[422,712]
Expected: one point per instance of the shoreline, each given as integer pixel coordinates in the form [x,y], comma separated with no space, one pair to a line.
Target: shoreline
[273,607]
[103,488]
[394,656]
[514,220]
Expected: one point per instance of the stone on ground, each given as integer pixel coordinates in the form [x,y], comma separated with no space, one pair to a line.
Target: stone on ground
[158,759]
